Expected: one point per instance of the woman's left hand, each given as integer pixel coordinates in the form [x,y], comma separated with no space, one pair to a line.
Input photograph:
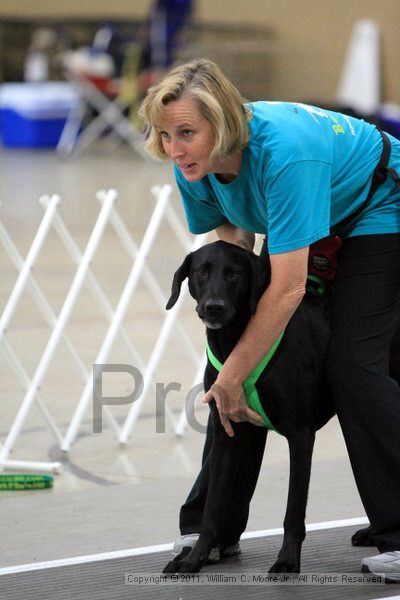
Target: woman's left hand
[231,404]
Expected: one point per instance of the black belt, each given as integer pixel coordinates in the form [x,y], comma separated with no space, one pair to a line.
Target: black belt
[379,176]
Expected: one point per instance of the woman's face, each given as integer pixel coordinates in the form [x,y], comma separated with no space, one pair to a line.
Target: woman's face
[188,138]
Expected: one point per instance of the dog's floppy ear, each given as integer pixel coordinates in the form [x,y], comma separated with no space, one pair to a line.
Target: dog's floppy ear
[180,275]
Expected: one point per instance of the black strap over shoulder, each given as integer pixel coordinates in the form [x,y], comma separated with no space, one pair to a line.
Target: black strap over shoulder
[379,176]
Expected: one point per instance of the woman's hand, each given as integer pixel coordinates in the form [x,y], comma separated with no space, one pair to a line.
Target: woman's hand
[231,404]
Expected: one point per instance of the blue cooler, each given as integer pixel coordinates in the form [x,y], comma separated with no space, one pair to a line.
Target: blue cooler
[33,115]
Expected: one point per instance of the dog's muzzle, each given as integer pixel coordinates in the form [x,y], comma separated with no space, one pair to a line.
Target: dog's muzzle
[213,313]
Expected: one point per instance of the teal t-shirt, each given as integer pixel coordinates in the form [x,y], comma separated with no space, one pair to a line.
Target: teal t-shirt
[304,170]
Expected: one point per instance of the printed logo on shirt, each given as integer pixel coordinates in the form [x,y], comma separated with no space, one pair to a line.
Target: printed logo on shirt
[337,127]
[315,112]
[349,123]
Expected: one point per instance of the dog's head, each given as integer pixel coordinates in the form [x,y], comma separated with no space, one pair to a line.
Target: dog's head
[224,279]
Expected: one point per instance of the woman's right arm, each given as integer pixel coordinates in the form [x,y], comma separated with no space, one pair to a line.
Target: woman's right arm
[235,235]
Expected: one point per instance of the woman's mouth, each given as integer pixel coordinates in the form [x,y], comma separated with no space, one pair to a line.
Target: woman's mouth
[187,167]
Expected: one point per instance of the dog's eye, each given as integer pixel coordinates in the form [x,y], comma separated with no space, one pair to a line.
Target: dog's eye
[233,276]
[202,273]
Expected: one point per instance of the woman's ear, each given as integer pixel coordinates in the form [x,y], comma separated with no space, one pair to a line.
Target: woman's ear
[179,277]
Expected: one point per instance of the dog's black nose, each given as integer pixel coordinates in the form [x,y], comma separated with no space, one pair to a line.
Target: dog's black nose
[214,308]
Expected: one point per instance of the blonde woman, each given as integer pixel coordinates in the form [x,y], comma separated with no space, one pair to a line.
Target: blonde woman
[293,172]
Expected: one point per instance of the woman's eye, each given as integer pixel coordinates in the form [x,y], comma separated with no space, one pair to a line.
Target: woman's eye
[164,134]
[187,132]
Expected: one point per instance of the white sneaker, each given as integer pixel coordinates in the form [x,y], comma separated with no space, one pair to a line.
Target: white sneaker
[186,541]
[189,541]
[387,564]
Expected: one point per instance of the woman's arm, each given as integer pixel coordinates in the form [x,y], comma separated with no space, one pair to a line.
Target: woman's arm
[235,235]
[274,310]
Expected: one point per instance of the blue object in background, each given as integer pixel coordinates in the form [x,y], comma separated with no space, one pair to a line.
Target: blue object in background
[18,130]
[389,115]
[33,115]
[166,20]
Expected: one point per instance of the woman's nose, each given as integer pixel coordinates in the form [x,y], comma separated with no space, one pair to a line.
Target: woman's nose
[175,149]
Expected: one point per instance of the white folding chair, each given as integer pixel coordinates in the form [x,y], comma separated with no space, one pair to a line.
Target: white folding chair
[104,98]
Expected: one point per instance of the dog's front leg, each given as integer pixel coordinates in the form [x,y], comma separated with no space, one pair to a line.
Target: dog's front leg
[224,461]
[300,448]
[226,458]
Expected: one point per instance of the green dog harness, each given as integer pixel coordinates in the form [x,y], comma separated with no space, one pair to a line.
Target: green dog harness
[316,286]
[249,384]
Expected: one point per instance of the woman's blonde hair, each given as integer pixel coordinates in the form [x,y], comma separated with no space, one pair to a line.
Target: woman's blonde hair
[218,100]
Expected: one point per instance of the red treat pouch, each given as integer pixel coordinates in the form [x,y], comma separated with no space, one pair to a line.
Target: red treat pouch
[323,257]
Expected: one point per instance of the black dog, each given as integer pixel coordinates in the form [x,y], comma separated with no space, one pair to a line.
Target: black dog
[227,282]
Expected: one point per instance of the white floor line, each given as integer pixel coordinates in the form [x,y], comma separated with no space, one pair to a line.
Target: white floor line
[88,558]
[388,598]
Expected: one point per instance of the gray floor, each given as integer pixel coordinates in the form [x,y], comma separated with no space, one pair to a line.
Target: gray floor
[107,497]
[327,557]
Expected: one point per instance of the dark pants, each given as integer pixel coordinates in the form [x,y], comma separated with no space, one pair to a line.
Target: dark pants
[365,313]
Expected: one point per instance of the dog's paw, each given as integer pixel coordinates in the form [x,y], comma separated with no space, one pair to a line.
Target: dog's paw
[183,566]
[363,537]
[184,563]
[285,566]
[174,565]
[171,567]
